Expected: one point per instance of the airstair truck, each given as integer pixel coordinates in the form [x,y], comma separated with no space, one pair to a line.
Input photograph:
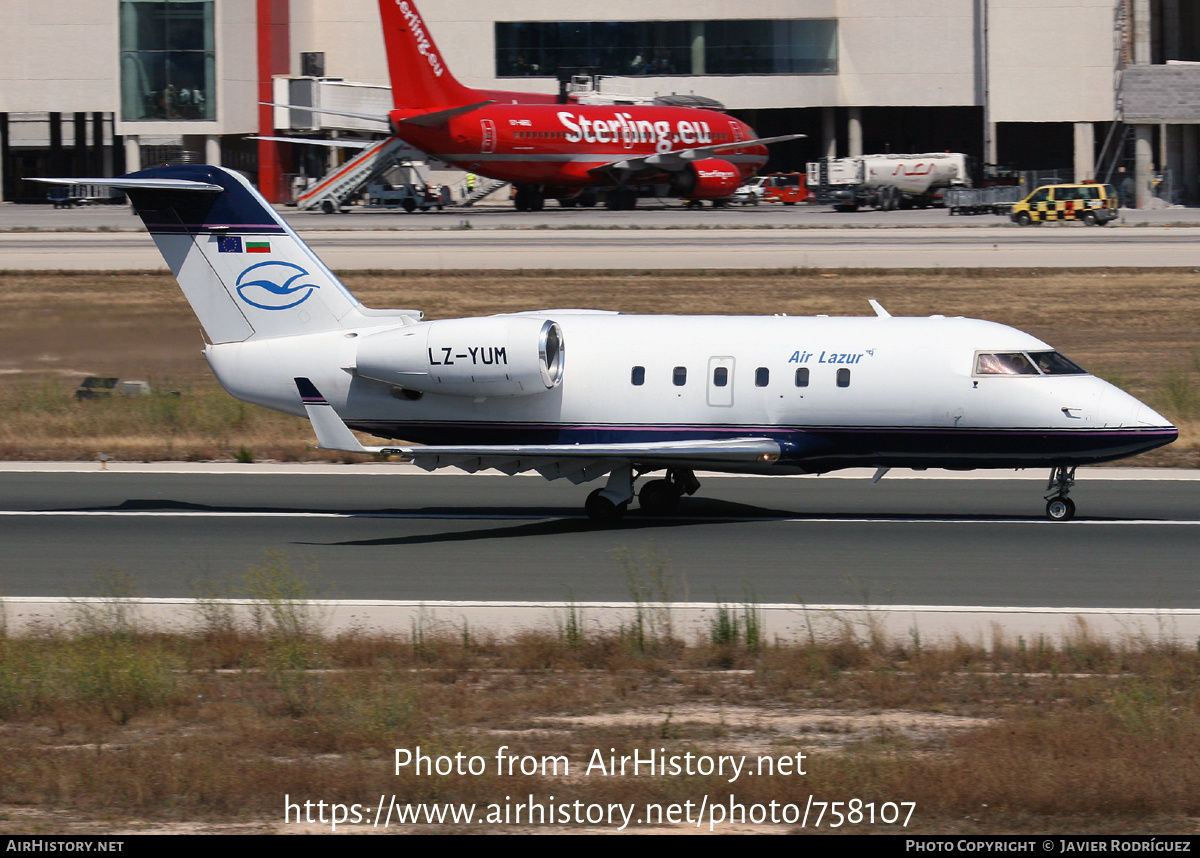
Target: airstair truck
[886,182]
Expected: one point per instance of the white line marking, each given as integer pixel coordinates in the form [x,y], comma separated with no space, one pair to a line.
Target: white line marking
[433,516]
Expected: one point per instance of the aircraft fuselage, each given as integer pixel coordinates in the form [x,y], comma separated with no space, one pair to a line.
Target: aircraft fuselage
[833,392]
[564,145]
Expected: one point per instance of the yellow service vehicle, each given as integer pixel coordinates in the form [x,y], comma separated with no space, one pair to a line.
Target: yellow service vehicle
[1092,203]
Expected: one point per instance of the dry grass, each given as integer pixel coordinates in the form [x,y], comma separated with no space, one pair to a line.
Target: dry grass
[1137,328]
[116,723]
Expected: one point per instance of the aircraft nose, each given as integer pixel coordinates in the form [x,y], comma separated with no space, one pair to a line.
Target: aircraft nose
[1147,416]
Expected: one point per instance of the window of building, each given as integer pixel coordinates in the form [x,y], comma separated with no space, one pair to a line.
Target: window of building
[843,378]
[638,377]
[724,47]
[168,60]
[802,377]
[679,376]
[762,377]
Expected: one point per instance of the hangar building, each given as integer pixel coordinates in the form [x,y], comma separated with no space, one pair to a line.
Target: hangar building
[1089,87]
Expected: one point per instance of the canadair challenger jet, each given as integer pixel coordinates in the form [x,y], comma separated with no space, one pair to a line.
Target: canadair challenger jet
[585,394]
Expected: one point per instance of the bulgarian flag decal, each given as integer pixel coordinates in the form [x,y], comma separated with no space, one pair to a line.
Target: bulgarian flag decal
[258,247]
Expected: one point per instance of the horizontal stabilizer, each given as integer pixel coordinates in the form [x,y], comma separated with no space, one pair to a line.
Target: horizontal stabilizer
[143,184]
[440,117]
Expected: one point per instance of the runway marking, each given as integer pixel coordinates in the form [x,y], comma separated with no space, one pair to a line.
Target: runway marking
[421,516]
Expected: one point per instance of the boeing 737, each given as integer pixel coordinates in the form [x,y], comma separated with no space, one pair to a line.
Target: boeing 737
[558,151]
[585,394]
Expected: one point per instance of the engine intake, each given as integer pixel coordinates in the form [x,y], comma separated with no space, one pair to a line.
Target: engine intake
[493,356]
[712,178]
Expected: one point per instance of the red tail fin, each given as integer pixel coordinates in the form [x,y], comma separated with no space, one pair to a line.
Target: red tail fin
[420,79]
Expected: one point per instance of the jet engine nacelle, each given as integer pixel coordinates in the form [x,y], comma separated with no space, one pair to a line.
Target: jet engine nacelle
[492,356]
[712,178]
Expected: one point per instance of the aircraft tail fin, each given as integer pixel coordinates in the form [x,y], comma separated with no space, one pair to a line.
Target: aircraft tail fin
[420,78]
[245,272]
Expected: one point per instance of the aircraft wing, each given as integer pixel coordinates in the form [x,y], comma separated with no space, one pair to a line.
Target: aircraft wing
[374,117]
[333,144]
[578,463]
[677,159]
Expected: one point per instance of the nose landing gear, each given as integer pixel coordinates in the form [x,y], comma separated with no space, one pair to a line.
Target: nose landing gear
[1059,507]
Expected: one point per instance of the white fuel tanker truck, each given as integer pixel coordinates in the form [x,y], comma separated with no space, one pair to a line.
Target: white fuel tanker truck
[886,182]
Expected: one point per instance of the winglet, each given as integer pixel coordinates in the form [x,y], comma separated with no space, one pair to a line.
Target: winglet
[332,432]
[878,308]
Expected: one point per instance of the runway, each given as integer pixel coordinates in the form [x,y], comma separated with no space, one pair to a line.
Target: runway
[1067,245]
[374,532]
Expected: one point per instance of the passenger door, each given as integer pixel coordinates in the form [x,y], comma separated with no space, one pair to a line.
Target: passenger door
[720,381]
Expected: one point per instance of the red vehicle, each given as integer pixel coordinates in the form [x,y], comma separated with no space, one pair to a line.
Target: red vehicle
[560,151]
[786,188]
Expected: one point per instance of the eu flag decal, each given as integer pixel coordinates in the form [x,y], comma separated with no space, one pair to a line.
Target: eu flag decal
[229,244]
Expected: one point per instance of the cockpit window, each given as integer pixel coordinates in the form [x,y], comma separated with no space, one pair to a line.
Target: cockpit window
[1026,363]
[1004,363]
[1052,363]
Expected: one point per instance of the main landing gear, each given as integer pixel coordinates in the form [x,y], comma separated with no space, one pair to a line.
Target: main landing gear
[529,198]
[1059,507]
[657,497]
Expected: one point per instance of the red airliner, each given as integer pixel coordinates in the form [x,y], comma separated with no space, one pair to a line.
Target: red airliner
[563,151]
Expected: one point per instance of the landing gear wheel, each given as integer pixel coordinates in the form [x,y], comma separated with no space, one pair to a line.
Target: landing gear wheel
[659,497]
[1060,509]
[603,511]
[1058,506]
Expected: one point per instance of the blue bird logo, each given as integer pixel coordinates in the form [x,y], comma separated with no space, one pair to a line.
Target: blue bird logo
[266,294]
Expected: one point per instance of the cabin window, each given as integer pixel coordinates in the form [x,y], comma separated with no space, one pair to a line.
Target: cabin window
[1004,363]
[638,377]
[802,377]
[679,376]
[762,377]
[721,376]
[843,377]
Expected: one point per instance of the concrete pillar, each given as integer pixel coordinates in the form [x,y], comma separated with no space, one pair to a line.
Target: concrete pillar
[212,150]
[1171,162]
[1191,164]
[697,48]
[990,149]
[854,132]
[1143,168]
[1141,32]
[828,132]
[1085,151]
[133,153]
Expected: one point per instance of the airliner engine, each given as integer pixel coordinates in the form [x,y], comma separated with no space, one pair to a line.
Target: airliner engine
[491,356]
[712,178]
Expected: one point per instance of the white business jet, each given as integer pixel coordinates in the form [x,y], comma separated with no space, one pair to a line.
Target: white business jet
[584,394]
